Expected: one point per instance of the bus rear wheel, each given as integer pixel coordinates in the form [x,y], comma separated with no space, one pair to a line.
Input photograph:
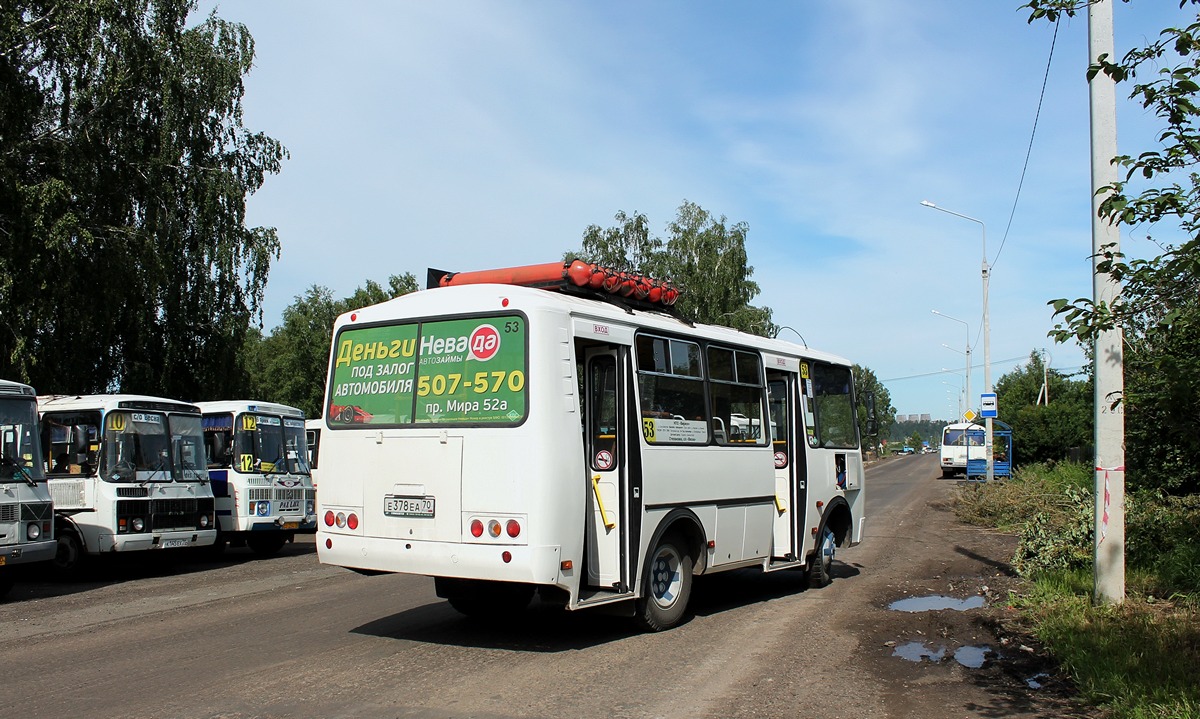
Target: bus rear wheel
[667,585]
[483,599]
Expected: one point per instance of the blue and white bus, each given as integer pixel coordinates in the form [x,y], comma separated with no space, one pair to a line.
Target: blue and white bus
[26,513]
[258,463]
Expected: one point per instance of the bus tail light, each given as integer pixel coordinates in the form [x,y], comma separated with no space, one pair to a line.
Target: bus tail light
[352,521]
[513,528]
[329,518]
[476,528]
[493,528]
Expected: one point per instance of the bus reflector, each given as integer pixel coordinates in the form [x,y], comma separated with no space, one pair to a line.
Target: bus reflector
[506,556]
[566,565]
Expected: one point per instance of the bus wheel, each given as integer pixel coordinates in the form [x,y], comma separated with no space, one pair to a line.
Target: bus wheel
[667,585]
[265,546]
[6,582]
[820,569]
[69,556]
[488,600]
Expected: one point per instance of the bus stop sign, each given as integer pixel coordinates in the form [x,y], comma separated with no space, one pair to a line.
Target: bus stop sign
[987,404]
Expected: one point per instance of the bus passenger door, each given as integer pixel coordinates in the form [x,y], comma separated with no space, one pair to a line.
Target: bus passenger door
[791,469]
[606,470]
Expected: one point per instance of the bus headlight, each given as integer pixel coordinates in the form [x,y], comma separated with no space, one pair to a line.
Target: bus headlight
[138,524]
[204,521]
[34,532]
[263,509]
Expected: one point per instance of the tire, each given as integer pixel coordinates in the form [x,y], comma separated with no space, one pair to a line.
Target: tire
[820,568]
[70,556]
[489,600]
[267,544]
[6,582]
[667,586]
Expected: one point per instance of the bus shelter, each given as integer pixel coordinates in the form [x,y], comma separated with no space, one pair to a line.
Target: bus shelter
[1001,451]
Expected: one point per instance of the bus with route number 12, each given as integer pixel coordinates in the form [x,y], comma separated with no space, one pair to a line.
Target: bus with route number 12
[558,429]
[258,463]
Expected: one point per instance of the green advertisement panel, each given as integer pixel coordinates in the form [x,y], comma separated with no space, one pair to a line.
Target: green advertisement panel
[465,371]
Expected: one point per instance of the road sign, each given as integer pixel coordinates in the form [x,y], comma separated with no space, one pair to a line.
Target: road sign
[987,404]
[970,415]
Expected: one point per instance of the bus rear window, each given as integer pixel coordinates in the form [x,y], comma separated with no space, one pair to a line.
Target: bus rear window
[463,371]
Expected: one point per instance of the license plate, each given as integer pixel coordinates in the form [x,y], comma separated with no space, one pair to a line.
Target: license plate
[169,543]
[3,560]
[291,525]
[394,506]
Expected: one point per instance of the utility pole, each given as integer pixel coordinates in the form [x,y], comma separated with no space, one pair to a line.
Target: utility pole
[1108,367]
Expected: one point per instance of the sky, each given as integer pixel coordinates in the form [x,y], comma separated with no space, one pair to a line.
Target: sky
[472,135]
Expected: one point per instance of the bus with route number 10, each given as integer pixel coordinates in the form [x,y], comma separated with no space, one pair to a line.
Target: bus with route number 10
[126,473]
[558,429]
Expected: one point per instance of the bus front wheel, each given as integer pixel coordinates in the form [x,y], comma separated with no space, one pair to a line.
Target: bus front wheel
[70,555]
[268,544]
[667,585]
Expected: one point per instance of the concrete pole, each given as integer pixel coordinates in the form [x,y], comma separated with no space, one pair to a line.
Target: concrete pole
[1109,546]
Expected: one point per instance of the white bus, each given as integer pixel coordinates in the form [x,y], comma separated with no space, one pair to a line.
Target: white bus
[26,514]
[126,474]
[505,439]
[258,464]
[957,442]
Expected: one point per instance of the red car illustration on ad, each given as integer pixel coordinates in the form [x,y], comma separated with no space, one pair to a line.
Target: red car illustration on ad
[351,414]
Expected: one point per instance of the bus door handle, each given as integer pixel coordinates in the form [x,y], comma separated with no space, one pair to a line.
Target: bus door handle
[600,502]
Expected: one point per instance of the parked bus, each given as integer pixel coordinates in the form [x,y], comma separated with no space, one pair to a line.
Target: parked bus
[959,440]
[258,463]
[588,445]
[126,474]
[26,514]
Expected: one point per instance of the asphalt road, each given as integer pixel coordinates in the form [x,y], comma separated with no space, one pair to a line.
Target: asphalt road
[288,637]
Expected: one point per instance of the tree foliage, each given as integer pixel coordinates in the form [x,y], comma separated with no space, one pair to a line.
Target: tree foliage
[1157,309]
[290,364]
[1045,430]
[704,255]
[865,382]
[124,172]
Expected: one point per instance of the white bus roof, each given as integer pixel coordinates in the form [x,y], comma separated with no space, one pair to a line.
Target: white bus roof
[249,405]
[109,402]
[442,301]
[8,387]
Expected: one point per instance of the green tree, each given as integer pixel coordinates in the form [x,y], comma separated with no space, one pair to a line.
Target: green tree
[1045,431]
[1157,309]
[704,256]
[290,364]
[865,382]
[124,171]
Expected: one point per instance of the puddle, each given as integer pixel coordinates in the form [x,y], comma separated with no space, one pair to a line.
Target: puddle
[917,651]
[936,602]
[972,657]
[1033,681]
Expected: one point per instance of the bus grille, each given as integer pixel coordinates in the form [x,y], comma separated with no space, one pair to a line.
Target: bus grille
[36,511]
[164,515]
[289,494]
[68,494]
[8,512]
[255,495]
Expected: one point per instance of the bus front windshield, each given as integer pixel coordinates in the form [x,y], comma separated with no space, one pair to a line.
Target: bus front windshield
[187,443]
[20,444]
[297,446]
[136,447]
[260,444]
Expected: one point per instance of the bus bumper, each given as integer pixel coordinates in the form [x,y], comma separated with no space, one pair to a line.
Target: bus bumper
[161,540]
[28,553]
[527,564]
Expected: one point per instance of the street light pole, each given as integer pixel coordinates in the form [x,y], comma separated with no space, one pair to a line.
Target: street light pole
[967,373]
[987,334]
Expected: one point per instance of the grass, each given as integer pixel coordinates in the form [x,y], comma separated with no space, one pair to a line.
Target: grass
[1139,659]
